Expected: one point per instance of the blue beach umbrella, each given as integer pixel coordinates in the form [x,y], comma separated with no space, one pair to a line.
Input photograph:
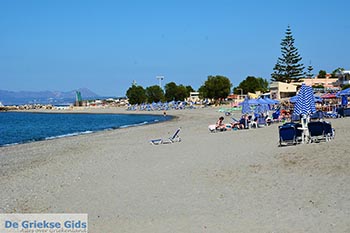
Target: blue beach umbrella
[262,101]
[267,107]
[154,105]
[305,103]
[264,105]
[253,102]
[293,99]
[317,99]
[271,101]
[345,92]
[344,100]
[245,106]
[259,109]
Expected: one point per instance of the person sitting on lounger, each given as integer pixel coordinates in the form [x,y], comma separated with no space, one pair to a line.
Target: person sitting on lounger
[236,124]
[244,121]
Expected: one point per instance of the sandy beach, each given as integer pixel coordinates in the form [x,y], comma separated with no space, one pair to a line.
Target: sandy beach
[234,181]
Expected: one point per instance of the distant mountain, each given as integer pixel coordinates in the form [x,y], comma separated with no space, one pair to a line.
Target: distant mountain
[44,97]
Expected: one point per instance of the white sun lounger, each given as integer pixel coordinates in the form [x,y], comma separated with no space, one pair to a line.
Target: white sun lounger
[172,139]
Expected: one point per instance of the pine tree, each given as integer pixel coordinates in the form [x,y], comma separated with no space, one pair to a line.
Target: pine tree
[309,73]
[288,67]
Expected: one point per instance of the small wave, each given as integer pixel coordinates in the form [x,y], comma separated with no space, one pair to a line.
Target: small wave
[138,124]
[68,135]
[10,144]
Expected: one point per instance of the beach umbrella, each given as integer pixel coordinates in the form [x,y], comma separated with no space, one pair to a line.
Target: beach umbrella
[260,109]
[271,101]
[294,99]
[318,99]
[253,102]
[245,106]
[262,101]
[328,96]
[154,105]
[305,103]
[345,92]
[264,105]
[344,100]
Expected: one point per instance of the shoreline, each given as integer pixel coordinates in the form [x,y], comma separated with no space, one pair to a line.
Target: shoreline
[233,181]
[86,111]
[57,141]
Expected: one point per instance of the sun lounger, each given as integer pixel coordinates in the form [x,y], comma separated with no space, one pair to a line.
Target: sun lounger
[261,122]
[316,131]
[295,118]
[172,139]
[330,114]
[329,132]
[287,134]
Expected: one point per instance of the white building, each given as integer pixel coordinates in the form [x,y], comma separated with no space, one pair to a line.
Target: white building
[280,90]
[194,97]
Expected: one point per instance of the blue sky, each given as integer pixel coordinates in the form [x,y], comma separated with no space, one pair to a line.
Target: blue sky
[105,45]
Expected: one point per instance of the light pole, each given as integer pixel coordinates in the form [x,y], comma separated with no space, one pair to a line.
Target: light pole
[160,78]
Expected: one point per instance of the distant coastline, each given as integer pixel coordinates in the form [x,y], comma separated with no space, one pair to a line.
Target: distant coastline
[44,97]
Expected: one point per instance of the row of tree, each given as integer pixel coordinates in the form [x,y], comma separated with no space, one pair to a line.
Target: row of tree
[287,69]
[216,87]
[252,84]
[137,94]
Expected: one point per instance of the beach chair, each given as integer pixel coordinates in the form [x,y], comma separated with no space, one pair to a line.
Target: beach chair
[172,139]
[276,115]
[316,131]
[295,117]
[244,122]
[261,122]
[330,114]
[329,132]
[235,124]
[298,131]
[251,123]
[287,134]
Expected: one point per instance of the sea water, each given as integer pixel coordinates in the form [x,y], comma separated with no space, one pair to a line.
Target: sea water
[22,127]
